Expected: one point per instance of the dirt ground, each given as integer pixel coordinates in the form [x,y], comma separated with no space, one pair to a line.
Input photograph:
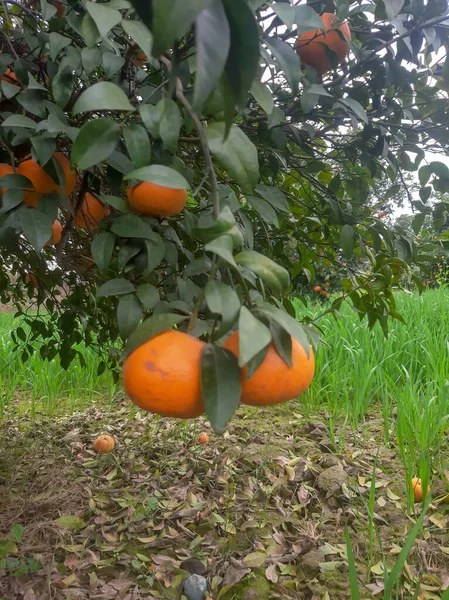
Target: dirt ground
[260,512]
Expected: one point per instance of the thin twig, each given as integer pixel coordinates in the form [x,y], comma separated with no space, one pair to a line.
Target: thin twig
[11,47]
[11,154]
[71,220]
[202,138]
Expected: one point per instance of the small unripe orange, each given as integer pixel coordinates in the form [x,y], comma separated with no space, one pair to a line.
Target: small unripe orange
[104,443]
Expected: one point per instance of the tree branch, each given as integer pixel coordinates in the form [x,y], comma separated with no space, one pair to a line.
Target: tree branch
[202,138]
[71,220]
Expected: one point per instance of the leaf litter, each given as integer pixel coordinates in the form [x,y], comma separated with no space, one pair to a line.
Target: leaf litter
[259,511]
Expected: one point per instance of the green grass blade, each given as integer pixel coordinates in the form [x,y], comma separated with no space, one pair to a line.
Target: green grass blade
[353,581]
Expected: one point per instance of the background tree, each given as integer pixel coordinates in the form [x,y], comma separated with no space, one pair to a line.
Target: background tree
[280,161]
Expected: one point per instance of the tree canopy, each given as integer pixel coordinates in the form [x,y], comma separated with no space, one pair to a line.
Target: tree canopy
[280,162]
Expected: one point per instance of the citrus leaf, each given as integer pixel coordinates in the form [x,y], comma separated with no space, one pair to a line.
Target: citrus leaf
[105,18]
[221,385]
[19,121]
[103,95]
[161,175]
[213,41]
[237,155]
[148,295]
[289,323]
[347,240]
[263,96]
[273,275]
[37,227]
[222,246]
[287,60]
[140,33]
[170,123]
[129,314]
[138,145]
[115,287]
[254,336]
[222,300]
[95,142]
[102,247]
[132,226]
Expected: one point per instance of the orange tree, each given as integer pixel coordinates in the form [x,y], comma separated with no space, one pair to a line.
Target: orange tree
[209,165]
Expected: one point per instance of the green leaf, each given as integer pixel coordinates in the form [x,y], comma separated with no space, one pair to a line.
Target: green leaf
[105,18]
[112,64]
[151,116]
[273,275]
[417,223]
[102,247]
[61,86]
[148,295]
[170,123]
[11,199]
[289,323]
[424,174]
[347,240]
[222,246]
[221,385]
[96,141]
[70,522]
[150,328]
[90,31]
[243,60]
[393,8]
[222,300]
[237,155]
[213,41]
[306,19]
[132,226]
[287,60]
[264,209]
[115,287]
[44,146]
[274,196]
[129,314]
[140,33]
[17,532]
[439,169]
[9,90]
[104,95]
[263,96]
[57,42]
[115,201]
[172,19]
[155,253]
[161,175]
[283,342]
[286,12]
[14,181]
[355,107]
[19,121]
[36,226]
[353,581]
[138,145]
[91,59]
[254,336]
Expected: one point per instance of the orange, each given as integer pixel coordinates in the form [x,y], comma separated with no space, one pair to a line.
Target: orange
[56,233]
[42,182]
[203,438]
[274,381]
[140,59]
[155,200]
[323,293]
[104,443]
[316,288]
[163,375]
[31,278]
[5,169]
[91,213]
[417,489]
[327,283]
[381,213]
[9,77]
[310,45]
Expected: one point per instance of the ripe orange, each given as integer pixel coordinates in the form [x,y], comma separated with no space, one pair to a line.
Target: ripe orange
[203,438]
[309,45]
[381,213]
[9,77]
[56,233]
[417,489]
[316,288]
[155,200]
[274,381]
[323,293]
[42,182]
[140,59]
[163,375]
[327,283]
[31,278]
[104,443]
[91,213]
